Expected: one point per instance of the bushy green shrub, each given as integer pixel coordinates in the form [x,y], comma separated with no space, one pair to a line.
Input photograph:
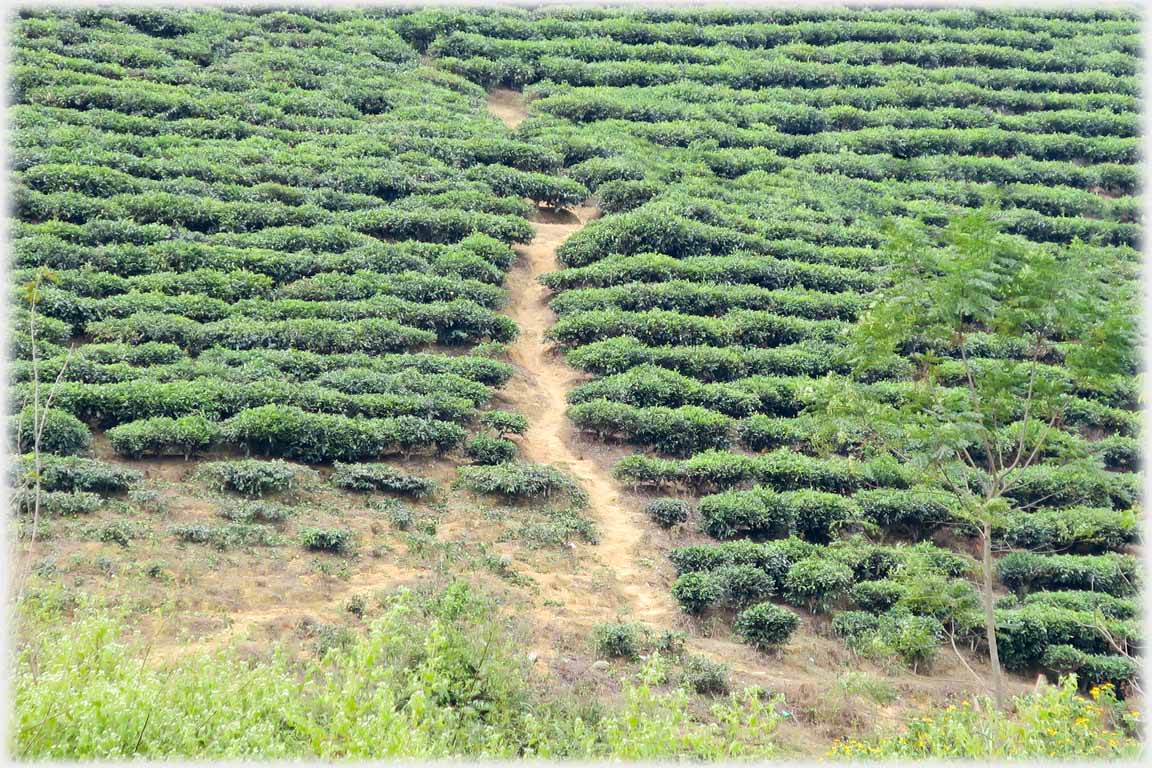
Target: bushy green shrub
[74,473]
[618,640]
[161,436]
[505,423]
[1091,668]
[1087,602]
[256,511]
[705,676]
[60,432]
[338,540]
[380,477]
[1112,573]
[483,449]
[1025,633]
[58,503]
[696,591]
[817,583]
[315,437]
[234,534]
[668,512]
[252,477]
[518,479]
[765,625]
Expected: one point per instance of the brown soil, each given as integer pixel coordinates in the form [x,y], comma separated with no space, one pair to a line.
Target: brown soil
[508,106]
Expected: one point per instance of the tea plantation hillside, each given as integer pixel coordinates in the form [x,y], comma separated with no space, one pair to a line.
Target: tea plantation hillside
[743,160]
[475,382]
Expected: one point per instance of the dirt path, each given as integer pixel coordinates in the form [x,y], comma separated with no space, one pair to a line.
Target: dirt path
[538,390]
[508,106]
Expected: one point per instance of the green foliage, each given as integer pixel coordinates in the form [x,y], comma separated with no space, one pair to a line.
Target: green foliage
[256,511]
[484,449]
[505,423]
[251,477]
[765,625]
[1052,722]
[235,534]
[894,634]
[60,432]
[705,676]
[617,640]
[469,675]
[518,479]
[338,540]
[58,503]
[817,583]
[314,437]
[1111,573]
[161,436]
[380,477]
[667,512]
[74,473]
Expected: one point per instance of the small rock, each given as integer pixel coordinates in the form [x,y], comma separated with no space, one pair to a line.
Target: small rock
[533,656]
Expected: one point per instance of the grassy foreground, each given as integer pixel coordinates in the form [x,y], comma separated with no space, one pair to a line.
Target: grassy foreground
[434,677]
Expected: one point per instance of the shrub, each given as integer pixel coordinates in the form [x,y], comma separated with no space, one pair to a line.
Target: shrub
[743,584]
[1091,669]
[696,591]
[60,503]
[877,596]
[380,477]
[705,676]
[1025,633]
[1111,573]
[817,583]
[235,534]
[1062,529]
[162,436]
[316,437]
[252,477]
[766,625]
[668,512]
[73,473]
[490,450]
[1087,602]
[256,512]
[518,479]
[505,423]
[121,532]
[338,540]
[618,640]
[61,433]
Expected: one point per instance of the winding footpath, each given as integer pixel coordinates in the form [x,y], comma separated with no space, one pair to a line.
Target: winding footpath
[539,391]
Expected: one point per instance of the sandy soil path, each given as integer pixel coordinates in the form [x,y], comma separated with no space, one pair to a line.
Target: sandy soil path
[539,389]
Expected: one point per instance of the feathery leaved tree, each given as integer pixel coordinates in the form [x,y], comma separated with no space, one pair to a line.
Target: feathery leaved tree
[1002,333]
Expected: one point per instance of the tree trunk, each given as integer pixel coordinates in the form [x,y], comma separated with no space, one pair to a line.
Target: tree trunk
[990,614]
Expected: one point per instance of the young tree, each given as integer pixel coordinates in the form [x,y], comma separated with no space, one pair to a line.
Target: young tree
[1002,332]
[32,292]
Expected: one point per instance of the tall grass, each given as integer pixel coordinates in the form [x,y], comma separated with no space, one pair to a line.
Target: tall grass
[431,678]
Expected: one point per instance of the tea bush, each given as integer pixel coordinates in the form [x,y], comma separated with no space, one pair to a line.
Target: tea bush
[380,477]
[252,477]
[668,512]
[337,540]
[766,625]
[60,432]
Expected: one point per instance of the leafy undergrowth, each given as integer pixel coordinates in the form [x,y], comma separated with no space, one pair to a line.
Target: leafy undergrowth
[1053,722]
[433,677]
